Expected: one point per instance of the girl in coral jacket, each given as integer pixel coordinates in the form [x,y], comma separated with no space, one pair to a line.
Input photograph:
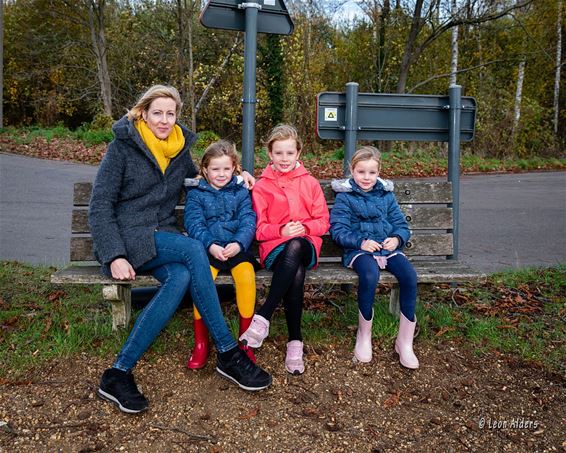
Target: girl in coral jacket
[291,218]
[368,224]
[218,213]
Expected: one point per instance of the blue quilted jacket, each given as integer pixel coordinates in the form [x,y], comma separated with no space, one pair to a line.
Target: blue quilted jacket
[358,215]
[219,216]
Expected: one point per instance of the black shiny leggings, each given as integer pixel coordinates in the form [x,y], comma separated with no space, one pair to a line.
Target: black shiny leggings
[288,284]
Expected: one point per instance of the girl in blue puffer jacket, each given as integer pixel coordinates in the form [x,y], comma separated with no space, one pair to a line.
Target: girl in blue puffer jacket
[218,213]
[368,224]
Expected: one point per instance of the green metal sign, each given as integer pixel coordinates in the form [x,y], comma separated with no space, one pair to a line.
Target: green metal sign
[273,16]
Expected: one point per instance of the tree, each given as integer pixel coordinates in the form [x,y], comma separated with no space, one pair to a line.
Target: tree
[558,66]
[90,15]
[272,64]
[425,19]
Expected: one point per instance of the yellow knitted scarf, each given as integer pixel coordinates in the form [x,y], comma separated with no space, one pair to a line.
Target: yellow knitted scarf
[163,150]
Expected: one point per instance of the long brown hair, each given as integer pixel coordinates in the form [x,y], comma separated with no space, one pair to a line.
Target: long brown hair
[219,149]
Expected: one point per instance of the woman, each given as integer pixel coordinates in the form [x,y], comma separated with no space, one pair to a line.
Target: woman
[134,230]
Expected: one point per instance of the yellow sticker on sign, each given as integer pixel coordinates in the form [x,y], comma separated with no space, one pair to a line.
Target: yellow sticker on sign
[330,114]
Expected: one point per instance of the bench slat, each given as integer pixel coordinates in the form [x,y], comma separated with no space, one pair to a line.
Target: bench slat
[418,218]
[437,244]
[427,272]
[405,191]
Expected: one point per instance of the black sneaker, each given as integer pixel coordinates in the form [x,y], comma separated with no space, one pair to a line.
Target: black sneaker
[119,387]
[242,371]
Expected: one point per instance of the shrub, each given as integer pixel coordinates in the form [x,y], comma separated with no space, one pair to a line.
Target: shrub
[204,138]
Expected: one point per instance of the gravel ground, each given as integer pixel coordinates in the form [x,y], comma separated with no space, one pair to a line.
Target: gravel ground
[456,401]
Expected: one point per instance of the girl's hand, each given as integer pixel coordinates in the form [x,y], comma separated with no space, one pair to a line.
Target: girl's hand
[369,245]
[122,270]
[232,249]
[390,244]
[217,252]
[249,180]
[293,229]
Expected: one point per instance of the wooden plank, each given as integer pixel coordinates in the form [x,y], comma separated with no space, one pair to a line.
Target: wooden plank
[407,192]
[418,217]
[427,272]
[79,221]
[81,193]
[437,244]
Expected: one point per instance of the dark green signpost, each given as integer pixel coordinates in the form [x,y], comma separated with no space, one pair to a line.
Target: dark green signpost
[259,16]
[353,116]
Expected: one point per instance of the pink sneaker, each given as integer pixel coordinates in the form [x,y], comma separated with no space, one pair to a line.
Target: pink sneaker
[294,359]
[256,333]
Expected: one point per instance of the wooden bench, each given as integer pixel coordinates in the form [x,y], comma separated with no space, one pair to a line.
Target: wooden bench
[427,206]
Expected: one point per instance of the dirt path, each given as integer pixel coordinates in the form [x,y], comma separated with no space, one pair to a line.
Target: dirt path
[455,402]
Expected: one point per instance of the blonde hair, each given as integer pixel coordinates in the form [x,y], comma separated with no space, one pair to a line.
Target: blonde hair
[283,132]
[365,153]
[156,91]
[219,149]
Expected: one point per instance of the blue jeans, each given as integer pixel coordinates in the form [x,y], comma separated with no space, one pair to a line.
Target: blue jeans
[181,263]
[368,271]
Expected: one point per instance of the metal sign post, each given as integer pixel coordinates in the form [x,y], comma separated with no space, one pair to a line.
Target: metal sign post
[259,16]
[353,116]
[249,99]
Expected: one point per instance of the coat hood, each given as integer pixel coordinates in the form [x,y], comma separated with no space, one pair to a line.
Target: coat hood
[299,170]
[202,183]
[348,185]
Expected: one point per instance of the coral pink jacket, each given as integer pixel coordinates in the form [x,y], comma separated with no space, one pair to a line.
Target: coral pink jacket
[279,198]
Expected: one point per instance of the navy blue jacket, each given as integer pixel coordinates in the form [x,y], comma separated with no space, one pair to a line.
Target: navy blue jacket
[219,216]
[358,215]
[132,197]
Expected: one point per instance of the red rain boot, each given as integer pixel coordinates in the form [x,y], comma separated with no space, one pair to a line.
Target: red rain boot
[244,324]
[200,351]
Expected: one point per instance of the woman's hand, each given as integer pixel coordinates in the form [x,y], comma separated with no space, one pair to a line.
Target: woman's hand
[122,270]
[293,229]
[217,252]
[249,180]
[369,245]
[232,249]
[390,244]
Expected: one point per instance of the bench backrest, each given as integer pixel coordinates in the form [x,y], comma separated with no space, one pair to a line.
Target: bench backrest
[426,205]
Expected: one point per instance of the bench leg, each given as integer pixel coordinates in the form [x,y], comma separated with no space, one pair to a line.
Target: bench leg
[120,296]
[394,307]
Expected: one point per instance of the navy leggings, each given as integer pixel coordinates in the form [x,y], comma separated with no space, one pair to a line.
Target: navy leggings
[368,271]
[288,283]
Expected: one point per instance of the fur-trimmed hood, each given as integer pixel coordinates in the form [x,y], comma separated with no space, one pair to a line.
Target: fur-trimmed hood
[345,185]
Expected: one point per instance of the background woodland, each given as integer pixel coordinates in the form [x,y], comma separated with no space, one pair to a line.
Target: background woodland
[82,63]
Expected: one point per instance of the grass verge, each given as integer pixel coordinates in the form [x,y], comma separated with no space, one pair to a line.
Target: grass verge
[87,144]
[519,313]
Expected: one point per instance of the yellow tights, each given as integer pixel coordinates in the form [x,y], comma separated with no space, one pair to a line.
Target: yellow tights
[244,279]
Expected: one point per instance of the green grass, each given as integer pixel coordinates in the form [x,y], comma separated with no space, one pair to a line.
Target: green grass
[40,321]
[84,134]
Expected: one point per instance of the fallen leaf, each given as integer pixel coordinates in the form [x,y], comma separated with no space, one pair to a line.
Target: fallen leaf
[251,414]
[393,400]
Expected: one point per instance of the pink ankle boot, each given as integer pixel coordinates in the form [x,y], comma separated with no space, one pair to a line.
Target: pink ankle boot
[404,343]
[362,350]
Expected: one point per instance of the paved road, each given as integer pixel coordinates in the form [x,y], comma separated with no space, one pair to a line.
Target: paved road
[508,220]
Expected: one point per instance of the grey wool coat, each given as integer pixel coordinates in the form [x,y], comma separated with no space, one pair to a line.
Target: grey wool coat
[132,198]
